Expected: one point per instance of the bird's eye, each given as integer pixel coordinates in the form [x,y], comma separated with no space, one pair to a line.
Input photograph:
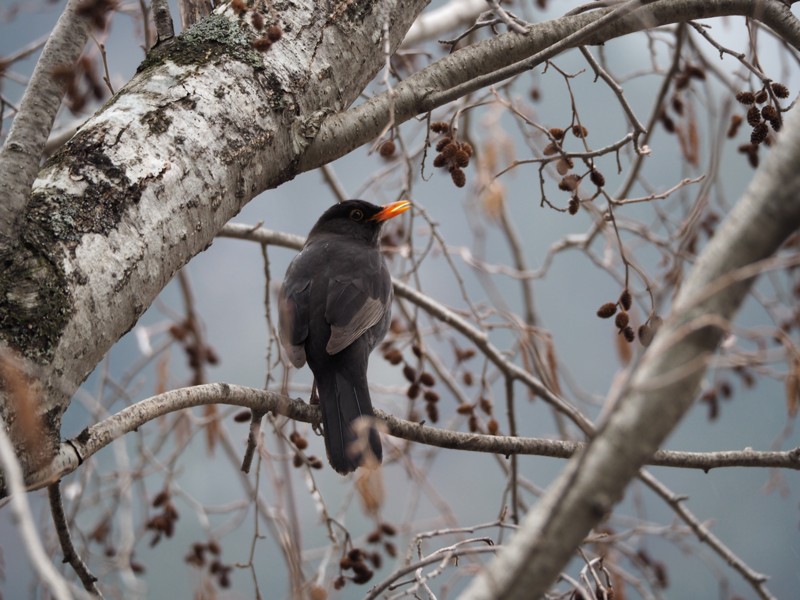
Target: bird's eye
[356,214]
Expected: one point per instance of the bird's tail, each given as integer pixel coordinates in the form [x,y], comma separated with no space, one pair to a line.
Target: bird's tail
[343,402]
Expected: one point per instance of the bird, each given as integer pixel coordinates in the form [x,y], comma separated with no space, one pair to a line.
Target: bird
[334,308]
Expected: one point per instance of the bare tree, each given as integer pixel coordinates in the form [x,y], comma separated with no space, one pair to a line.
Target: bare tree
[254,94]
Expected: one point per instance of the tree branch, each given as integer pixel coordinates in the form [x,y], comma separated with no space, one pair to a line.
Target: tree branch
[73,452]
[19,158]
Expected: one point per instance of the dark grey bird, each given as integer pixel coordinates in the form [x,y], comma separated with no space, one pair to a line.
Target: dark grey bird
[334,308]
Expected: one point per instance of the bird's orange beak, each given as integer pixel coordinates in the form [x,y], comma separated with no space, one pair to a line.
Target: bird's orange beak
[392,210]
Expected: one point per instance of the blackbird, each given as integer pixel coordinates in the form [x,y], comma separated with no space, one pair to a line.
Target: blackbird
[334,308]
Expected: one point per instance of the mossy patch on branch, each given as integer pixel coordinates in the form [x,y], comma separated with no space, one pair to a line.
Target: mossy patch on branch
[211,38]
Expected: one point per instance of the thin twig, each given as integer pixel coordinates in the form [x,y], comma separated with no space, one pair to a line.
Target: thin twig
[65,539]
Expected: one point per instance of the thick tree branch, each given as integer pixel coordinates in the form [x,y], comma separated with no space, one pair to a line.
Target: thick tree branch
[73,452]
[497,59]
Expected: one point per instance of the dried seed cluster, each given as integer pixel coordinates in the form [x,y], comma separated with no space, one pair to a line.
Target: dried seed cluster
[681,81]
[759,118]
[622,319]
[452,154]
[487,407]
[267,37]
[199,557]
[723,390]
[164,522]
[570,181]
[356,561]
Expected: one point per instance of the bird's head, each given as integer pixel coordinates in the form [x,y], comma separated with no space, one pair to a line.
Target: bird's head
[357,219]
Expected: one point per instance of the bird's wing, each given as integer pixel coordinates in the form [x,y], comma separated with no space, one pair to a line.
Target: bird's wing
[354,305]
[293,315]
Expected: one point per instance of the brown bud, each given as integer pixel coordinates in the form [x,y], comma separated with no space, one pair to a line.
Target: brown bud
[390,549]
[461,159]
[443,142]
[473,424]
[356,554]
[629,334]
[761,97]
[274,33]
[645,335]
[432,411]
[625,299]
[339,582]
[388,529]
[440,127]
[257,19]
[439,161]
[466,147]
[492,427]
[579,131]
[550,149]
[486,405]
[465,409]
[299,440]
[297,461]
[597,178]
[607,310]
[621,320]
[458,177]
[449,151]
[759,133]
[413,391]
[564,164]
[780,90]
[753,116]
[374,537]
[677,105]
[262,44]
[465,354]
[573,206]
[668,123]
[410,373]
[430,396]
[467,378]
[569,183]
[746,97]
[242,416]
[769,112]
[387,149]
[427,379]
[394,356]
[733,129]
[314,462]
[318,593]
[557,133]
